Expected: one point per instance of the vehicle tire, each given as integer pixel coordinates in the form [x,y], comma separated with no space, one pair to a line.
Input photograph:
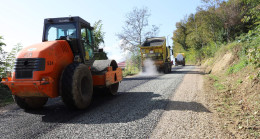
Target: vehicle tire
[30,102]
[183,63]
[143,69]
[165,69]
[112,89]
[170,68]
[76,86]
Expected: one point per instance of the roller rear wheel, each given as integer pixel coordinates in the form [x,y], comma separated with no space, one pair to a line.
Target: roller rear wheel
[112,89]
[30,102]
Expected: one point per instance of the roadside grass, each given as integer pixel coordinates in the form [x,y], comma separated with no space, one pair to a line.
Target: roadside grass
[130,71]
[235,92]
[236,100]
[237,67]
[5,96]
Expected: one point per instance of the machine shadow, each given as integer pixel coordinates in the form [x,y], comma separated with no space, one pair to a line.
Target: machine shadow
[126,107]
[186,72]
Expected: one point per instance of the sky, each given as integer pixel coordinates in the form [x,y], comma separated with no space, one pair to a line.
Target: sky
[21,21]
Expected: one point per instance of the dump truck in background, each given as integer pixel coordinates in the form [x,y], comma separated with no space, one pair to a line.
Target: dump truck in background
[155,49]
[179,59]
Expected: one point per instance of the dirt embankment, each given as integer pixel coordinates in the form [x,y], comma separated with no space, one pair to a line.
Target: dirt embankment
[235,97]
[188,114]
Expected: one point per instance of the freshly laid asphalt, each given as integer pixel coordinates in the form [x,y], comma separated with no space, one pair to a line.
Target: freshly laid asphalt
[133,113]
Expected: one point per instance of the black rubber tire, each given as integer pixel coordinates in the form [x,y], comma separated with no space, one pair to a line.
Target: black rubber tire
[183,63]
[76,86]
[112,89]
[165,69]
[170,68]
[28,103]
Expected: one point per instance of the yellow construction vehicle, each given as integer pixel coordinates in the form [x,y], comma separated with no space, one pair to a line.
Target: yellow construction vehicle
[155,49]
[179,59]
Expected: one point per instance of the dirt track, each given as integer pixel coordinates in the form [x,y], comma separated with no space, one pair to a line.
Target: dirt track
[187,116]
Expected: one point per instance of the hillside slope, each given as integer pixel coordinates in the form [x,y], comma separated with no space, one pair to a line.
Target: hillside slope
[233,88]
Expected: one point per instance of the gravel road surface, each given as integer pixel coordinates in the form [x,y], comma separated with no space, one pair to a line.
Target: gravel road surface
[134,113]
[187,114]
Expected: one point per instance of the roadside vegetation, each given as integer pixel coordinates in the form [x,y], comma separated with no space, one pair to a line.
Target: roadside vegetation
[223,36]
[235,95]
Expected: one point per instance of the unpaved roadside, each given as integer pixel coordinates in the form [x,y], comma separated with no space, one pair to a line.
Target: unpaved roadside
[188,115]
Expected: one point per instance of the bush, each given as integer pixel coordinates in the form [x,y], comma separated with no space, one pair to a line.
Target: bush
[237,67]
[5,95]
[251,46]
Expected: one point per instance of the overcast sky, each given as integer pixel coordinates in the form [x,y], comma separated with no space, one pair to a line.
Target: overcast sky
[21,21]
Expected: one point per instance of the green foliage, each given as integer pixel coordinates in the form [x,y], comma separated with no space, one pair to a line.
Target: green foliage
[12,55]
[179,36]
[100,56]
[135,60]
[210,49]
[99,35]
[7,59]
[217,83]
[5,95]
[131,68]
[215,78]
[190,56]
[251,46]
[251,13]
[2,56]
[237,67]
[239,81]
[215,23]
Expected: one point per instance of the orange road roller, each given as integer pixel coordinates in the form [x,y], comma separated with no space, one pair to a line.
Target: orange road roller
[63,64]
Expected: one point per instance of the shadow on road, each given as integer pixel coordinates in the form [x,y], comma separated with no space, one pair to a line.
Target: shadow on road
[123,108]
[187,106]
[186,72]
[141,78]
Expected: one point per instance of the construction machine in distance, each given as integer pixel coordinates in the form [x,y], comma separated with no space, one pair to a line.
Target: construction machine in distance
[155,49]
[63,65]
[179,59]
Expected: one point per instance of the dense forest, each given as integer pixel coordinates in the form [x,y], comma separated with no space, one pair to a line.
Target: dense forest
[216,23]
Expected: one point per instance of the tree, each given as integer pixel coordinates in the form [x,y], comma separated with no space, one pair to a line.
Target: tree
[251,13]
[136,29]
[180,34]
[2,55]
[99,36]
[12,56]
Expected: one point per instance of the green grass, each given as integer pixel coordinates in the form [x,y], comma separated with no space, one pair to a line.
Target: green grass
[219,86]
[239,81]
[215,78]
[217,83]
[237,67]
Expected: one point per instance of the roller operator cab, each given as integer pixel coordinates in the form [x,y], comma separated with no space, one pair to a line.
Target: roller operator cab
[62,65]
